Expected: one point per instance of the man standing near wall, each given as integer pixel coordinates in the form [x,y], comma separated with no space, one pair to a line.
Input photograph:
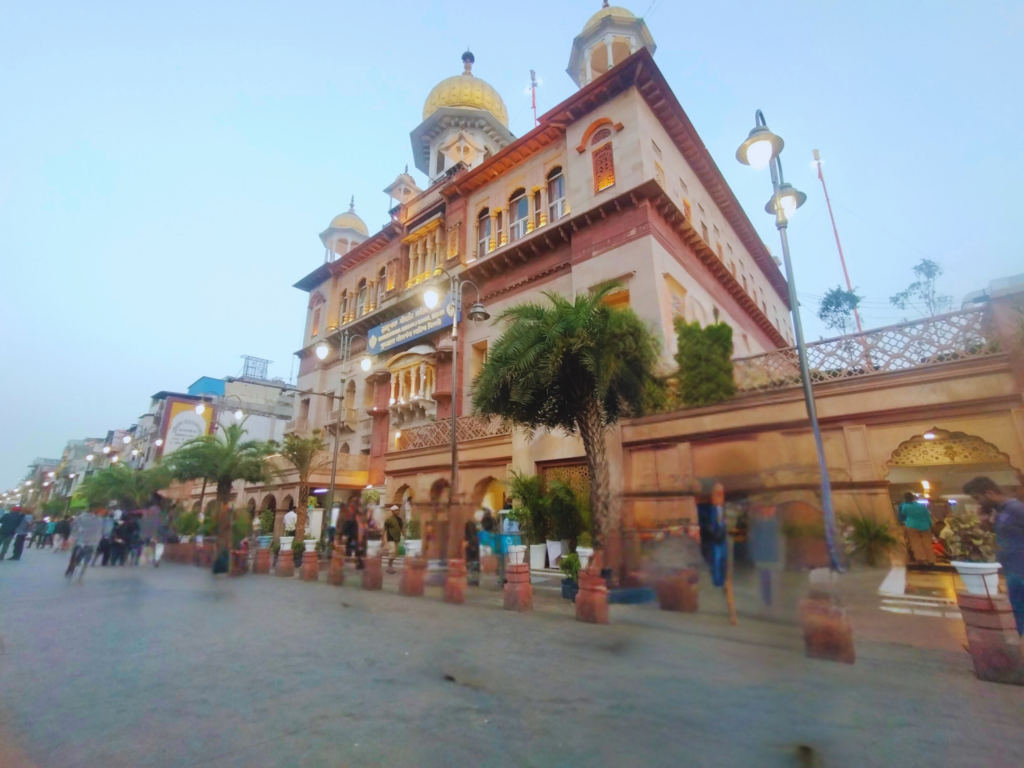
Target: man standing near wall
[1009,527]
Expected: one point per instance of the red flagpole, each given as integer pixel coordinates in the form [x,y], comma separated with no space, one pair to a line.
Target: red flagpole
[821,177]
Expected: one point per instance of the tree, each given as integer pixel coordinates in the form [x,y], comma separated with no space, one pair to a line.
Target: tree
[923,290]
[704,361]
[222,459]
[307,455]
[836,309]
[131,488]
[577,365]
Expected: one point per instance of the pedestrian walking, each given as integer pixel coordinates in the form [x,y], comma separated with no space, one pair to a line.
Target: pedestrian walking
[1009,528]
[764,549]
[19,536]
[103,548]
[37,535]
[87,532]
[8,527]
[61,533]
[917,521]
[394,527]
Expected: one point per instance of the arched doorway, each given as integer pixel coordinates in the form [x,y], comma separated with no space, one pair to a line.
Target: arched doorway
[935,465]
[251,506]
[269,502]
[439,491]
[288,502]
[490,494]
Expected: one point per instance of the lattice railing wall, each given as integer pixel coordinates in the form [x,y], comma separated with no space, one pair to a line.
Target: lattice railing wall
[932,341]
[440,432]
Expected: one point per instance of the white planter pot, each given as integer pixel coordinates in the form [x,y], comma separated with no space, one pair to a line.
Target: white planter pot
[373,548]
[516,554]
[979,578]
[413,547]
[199,540]
[310,545]
[554,552]
[184,539]
[286,543]
[537,554]
[584,554]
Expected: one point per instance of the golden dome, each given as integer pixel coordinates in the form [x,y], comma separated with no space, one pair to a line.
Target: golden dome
[620,14]
[350,220]
[466,91]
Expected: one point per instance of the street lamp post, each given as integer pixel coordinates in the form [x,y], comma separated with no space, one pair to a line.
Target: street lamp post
[762,148]
[477,313]
[344,350]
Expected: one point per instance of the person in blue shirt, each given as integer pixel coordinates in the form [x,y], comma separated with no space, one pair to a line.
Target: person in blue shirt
[1008,521]
[917,519]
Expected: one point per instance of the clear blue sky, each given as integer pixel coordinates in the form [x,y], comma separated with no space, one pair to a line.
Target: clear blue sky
[165,168]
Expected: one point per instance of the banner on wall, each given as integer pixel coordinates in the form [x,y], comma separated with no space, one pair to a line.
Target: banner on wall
[181,423]
[410,326]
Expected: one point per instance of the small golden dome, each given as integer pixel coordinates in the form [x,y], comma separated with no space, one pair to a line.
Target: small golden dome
[350,219]
[620,14]
[466,91]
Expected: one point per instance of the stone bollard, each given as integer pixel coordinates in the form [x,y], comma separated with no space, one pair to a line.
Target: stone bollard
[285,564]
[518,590]
[828,634]
[992,638]
[592,599]
[336,570]
[262,564]
[373,576]
[455,582]
[677,590]
[413,577]
[310,566]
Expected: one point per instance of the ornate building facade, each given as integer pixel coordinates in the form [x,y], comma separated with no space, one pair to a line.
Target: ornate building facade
[613,184]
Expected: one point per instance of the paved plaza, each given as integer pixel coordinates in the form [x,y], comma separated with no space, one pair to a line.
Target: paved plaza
[170,667]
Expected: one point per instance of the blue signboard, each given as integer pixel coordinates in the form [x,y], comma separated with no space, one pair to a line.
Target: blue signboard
[412,325]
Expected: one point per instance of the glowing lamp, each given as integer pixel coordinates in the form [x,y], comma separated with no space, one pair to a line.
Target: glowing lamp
[322,349]
[365,363]
[126,439]
[431,297]
[759,148]
[106,449]
[89,457]
[791,199]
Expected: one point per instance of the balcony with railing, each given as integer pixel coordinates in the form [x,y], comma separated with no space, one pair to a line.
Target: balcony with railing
[932,341]
[297,426]
[345,419]
[353,462]
[440,432]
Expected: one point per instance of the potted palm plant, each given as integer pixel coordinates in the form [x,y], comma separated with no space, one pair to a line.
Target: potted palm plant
[186,526]
[267,529]
[973,552]
[869,537]
[527,492]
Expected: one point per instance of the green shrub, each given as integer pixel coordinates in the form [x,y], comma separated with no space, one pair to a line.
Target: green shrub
[564,510]
[532,513]
[870,537]
[704,359]
[967,541]
[412,530]
[570,566]
[241,529]
[267,522]
[187,524]
[371,496]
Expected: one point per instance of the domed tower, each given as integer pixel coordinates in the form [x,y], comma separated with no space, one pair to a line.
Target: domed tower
[464,120]
[344,233]
[608,37]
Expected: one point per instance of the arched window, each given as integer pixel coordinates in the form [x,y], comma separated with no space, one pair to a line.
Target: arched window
[344,448]
[556,194]
[344,306]
[600,136]
[483,233]
[382,284]
[361,299]
[604,165]
[518,212]
[439,167]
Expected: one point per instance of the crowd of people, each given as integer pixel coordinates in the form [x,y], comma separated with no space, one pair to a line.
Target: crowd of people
[94,536]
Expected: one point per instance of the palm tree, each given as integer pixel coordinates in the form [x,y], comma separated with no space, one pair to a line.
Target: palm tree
[578,365]
[222,459]
[307,455]
[132,488]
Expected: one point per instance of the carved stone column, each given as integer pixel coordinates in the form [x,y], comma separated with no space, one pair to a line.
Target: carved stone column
[494,231]
[531,212]
[543,204]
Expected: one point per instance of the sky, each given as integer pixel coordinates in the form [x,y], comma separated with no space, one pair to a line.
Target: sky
[165,169]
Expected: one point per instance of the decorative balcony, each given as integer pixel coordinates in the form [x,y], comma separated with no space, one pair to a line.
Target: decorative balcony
[440,432]
[297,426]
[932,341]
[353,462]
[349,419]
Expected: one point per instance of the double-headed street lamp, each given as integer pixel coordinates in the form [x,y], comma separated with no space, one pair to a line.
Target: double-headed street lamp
[762,148]
[239,413]
[477,314]
[344,350]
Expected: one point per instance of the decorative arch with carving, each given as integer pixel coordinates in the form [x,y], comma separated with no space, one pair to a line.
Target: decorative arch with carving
[593,128]
[947,448]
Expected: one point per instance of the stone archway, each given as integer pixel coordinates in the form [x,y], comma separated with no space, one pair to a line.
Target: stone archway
[439,491]
[935,465]
[489,493]
[288,502]
[251,506]
[269,502]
